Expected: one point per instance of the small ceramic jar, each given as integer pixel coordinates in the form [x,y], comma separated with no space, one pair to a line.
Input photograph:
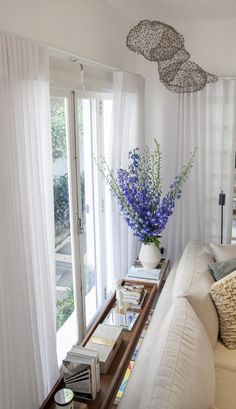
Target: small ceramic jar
[64,398]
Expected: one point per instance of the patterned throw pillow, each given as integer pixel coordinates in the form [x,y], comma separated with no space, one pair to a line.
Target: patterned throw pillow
[223,293]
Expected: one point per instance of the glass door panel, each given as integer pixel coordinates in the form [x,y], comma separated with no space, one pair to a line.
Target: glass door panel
[65,316]
[80,126]
[86,130]
[107,128]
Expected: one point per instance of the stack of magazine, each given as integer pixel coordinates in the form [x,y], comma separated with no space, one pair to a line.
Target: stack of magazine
[137,271]
[81,371]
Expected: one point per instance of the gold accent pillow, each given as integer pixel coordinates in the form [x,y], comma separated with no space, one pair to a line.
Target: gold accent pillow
[223,293]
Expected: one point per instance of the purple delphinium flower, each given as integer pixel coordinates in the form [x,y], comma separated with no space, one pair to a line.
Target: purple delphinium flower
[138,190]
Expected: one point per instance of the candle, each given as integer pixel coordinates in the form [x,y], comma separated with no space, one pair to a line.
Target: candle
[64,398]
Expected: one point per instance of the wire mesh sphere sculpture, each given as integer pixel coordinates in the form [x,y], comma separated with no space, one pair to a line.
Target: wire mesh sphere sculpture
[187,77]
[160,42]
[156,41]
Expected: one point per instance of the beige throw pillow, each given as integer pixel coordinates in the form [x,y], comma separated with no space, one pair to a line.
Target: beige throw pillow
[223,293]
[223,252]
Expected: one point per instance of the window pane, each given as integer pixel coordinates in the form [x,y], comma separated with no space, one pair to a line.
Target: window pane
[86,125]
[107,126]
[66,334]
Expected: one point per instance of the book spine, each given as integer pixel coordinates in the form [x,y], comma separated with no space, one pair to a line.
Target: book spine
[94,378]
[98,374]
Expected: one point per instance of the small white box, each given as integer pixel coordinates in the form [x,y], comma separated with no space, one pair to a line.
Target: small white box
[106,341]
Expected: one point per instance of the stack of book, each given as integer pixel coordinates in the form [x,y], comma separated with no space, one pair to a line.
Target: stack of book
[133,293]
[138,272]
[81,371]
[106,342]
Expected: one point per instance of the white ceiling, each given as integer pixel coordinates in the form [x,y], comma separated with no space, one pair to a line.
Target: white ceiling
[171,10]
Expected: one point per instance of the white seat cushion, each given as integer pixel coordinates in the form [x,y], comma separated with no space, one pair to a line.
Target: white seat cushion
[225,389]
[193,281]
[225,363]
[225,358]
[180,373]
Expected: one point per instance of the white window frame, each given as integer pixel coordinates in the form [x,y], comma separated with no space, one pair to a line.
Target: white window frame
[75,208]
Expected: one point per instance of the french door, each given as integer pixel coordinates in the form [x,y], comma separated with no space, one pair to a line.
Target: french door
[81,124]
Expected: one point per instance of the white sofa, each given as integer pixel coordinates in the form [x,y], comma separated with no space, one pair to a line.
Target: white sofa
[182,364]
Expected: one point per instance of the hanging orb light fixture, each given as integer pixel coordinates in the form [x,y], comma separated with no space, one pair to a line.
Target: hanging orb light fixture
[160,42]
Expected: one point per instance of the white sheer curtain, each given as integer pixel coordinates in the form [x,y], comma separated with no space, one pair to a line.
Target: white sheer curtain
[27,280]
[128,133]
[207,119]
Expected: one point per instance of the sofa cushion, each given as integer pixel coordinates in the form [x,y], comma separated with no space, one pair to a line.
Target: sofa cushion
[223,252]
[223,293]
[225,389]
[225,358]
[221,269]
[225,364]
[193,281]
[164,301]
[180,373]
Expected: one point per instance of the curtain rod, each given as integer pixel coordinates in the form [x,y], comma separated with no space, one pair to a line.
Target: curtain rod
[99,65]
[74,57]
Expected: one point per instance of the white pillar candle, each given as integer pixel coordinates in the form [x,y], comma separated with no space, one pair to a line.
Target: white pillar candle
[64,398]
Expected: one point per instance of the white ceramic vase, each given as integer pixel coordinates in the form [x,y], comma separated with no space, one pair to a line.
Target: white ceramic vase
[149,255]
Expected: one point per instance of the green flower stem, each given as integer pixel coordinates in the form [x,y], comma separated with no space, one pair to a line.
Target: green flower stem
[112,182]
[184,174]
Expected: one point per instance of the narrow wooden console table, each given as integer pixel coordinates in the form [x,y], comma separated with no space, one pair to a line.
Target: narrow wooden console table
[111,381]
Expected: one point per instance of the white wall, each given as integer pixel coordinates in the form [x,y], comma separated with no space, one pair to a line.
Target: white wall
[88,28]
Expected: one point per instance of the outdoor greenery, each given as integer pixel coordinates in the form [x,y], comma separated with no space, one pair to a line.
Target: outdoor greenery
[58,129]
[65,307]
[61,202]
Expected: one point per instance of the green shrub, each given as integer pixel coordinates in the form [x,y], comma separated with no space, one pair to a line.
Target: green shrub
[65,307]
[61,202]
